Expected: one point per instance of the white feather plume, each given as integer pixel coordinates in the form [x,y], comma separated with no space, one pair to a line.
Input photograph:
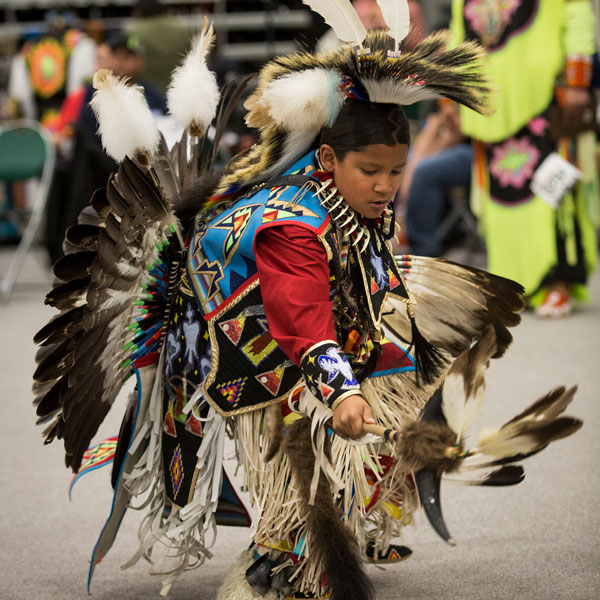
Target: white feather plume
[396,14]
[306,100]
[193,93]
[342,18]
[405,92]
[125,122]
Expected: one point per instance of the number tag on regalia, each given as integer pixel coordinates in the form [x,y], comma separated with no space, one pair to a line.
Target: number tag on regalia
[554,178]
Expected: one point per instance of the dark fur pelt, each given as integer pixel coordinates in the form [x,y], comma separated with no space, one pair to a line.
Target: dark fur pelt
[423,445]
[273,431]
[334,546]
[192,200]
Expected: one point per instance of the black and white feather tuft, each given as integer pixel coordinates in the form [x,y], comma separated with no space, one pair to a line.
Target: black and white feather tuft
[454,304]
[529,432]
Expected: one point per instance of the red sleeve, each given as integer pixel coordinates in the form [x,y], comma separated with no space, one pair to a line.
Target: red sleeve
[294,282]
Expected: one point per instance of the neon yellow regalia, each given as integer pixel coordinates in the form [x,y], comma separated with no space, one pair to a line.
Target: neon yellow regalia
[521,233]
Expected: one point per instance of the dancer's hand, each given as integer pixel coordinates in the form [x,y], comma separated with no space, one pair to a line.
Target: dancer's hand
[575,103]
[349,416]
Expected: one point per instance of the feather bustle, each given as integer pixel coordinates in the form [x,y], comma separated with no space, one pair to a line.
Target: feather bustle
[78,379]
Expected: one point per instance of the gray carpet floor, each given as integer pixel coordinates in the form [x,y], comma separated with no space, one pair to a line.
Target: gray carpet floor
[539,540]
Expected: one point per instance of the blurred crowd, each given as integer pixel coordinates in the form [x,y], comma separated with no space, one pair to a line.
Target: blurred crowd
[470,179]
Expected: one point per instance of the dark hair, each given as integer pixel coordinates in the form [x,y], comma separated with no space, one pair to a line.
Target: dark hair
[126,41]
[361,124]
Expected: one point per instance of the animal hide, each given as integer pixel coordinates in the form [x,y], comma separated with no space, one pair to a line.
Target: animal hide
[423,445]
[333,544]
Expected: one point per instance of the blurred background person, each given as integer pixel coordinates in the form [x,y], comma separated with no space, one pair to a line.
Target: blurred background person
[62,127]
[440,161]
[127,59]
[540,62]
[48,67]
[63,132]
[89,167]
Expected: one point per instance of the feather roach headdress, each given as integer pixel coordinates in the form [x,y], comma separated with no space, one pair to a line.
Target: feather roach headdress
[298,94]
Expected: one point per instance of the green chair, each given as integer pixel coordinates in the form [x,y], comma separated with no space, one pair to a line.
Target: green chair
[26,152]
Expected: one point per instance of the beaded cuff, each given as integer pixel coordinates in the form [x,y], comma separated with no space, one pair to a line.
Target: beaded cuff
[578,70]
[328,374]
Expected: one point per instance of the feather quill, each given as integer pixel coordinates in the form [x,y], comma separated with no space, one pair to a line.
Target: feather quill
[396,14]
[125,122]
[342,18]
[193,93]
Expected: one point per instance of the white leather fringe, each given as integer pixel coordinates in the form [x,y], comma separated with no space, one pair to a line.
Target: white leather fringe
[395,401]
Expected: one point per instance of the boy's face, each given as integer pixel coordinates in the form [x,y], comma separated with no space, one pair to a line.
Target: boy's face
[369,178]
[104,57]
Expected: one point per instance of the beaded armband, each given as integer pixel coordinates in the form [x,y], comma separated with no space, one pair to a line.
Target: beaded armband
[578,70]
[328,374]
